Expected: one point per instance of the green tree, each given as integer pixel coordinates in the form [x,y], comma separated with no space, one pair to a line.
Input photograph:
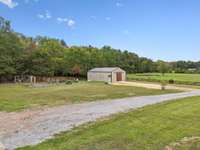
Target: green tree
[48,57]
[4,25]
[10,52]
[162,67]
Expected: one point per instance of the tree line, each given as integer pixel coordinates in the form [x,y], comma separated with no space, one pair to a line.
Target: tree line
[44,56]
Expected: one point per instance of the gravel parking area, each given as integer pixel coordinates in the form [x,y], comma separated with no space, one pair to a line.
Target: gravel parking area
[33,126]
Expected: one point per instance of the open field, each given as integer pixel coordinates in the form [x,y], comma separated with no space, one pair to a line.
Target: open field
[19,97]
[152,127]
[192,79]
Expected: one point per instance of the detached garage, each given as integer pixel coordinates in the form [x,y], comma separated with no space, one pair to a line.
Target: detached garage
[107,74]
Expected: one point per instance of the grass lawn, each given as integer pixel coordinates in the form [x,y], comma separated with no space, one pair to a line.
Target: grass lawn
[193,79]
[149,128]
[18,97]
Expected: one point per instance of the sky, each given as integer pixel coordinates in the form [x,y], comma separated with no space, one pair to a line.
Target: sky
[157,29]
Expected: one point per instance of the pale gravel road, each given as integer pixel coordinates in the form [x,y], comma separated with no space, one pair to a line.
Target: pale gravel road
[33,127]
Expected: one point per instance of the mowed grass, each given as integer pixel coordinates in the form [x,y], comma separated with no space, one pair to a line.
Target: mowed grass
[18,97]
[193,79]
[149,128]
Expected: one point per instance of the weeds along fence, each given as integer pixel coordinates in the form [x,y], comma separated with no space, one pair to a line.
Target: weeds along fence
[35,79]
[53,79]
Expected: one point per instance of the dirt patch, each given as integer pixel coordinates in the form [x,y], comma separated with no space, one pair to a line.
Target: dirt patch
[152,86]
[187,143]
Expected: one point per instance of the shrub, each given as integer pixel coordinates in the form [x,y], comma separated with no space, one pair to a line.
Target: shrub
[171,81]
[69,82]
[75,81]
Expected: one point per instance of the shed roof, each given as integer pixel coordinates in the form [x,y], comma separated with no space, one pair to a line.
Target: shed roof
[104,69]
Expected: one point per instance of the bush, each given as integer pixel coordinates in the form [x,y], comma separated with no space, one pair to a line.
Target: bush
[69,82]
[75,81]
[171,81]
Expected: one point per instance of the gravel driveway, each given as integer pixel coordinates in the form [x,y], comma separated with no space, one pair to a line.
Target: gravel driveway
[31,127]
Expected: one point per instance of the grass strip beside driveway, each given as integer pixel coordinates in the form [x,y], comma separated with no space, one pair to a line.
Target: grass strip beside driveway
[149,128]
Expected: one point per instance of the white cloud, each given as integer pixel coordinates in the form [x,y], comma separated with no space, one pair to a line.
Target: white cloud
[40,16]
[48,15]
[45,16]
[9,3]
[118,4]
[61,20]
[71,23]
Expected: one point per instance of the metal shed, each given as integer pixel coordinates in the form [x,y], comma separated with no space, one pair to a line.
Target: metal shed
[106,74]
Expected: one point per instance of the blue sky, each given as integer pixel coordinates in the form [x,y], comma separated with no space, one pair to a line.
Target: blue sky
[158,29]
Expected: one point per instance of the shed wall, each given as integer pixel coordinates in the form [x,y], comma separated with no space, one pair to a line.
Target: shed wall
[99,76]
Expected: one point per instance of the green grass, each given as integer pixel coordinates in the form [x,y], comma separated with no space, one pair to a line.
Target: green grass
[193,79]
[19,97]
[149,128]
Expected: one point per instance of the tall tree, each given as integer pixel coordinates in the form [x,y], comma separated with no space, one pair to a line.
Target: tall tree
[10,49]
[163,67]
[4,25]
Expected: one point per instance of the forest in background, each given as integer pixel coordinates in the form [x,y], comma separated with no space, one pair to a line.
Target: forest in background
[45,56]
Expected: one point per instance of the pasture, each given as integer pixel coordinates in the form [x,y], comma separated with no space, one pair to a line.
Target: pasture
[15,97]
[178,78]
[155,127]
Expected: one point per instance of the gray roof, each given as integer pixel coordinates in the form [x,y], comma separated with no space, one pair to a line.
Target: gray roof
[104,69]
